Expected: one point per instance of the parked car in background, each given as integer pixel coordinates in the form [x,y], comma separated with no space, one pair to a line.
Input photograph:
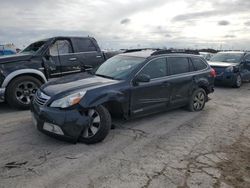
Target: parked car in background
[206,55]
[6,52]
[22,74]
[128,85]
[231,67]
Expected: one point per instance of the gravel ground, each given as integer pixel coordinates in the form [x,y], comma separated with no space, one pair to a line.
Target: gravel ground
[172,149]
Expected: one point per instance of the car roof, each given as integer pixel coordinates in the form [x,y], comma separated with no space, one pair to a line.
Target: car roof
[205,53]
[150,53]
[143,53]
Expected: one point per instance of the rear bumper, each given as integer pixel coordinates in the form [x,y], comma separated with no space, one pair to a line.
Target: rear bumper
[2,94]
[70,123]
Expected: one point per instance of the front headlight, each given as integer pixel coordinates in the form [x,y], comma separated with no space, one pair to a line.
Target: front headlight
[69,100]
[229,69]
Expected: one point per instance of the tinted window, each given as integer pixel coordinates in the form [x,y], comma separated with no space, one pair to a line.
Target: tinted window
[198,64]
[178,65]
[31,49]
[156,68]
[85,45]
[60,47]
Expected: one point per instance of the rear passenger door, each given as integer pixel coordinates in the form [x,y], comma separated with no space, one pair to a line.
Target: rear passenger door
[180,79]
[88,52]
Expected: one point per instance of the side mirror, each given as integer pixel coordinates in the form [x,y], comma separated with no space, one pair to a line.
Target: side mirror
[142,78]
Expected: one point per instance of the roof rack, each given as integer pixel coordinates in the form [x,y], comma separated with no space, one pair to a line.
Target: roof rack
[138,50]
[159,52]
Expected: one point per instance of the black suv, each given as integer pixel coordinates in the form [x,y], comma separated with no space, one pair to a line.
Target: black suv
[129,85]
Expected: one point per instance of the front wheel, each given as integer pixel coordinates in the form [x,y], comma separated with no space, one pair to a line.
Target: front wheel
[197,100]
[99,126]
[238,81]
[21,91]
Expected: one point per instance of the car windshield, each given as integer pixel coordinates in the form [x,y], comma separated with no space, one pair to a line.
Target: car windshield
[118,67]
[227,57]
[34,47]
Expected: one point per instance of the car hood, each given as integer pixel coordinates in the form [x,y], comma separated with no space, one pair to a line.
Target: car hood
[70,83]
[14,58]
[221,64]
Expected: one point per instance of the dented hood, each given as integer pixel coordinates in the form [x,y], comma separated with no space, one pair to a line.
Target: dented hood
[70,83]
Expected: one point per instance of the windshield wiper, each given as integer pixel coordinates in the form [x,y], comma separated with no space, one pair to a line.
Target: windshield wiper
[105,76]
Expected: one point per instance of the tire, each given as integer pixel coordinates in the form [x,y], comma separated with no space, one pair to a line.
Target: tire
[21,90]
[91,137]
[238,81]
[197,101]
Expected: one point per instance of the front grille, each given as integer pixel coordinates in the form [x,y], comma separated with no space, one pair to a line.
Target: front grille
[41,98]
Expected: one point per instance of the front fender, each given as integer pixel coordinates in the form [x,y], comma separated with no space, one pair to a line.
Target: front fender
[21,72]
[93,98]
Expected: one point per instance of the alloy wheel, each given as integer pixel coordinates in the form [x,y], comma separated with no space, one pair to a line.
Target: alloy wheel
[238,81]
[25,92]
[199,101]
[94,125]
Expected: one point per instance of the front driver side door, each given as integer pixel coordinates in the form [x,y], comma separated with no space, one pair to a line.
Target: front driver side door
[61,52]
[154,95]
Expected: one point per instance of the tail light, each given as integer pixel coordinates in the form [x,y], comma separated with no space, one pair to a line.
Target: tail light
[213,73]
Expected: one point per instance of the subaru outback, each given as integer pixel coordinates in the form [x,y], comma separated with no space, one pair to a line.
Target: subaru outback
[129,85]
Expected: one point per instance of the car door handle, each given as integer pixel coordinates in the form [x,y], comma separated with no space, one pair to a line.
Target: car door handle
[99,56]
[73,59]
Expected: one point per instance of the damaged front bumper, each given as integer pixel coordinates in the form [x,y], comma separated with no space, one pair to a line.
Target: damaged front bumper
[226,79]
[2,94]
[59,123]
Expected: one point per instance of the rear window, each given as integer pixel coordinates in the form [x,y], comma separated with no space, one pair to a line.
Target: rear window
[178,65]
[198,64]
[85,45]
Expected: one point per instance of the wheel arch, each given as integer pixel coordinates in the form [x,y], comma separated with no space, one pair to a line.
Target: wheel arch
[204,84]
[114,101]
[205,88]
[24,72]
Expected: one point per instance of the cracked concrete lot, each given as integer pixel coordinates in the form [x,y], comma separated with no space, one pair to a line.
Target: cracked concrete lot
[172,149]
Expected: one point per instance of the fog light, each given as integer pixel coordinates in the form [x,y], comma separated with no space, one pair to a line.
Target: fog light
[52,128]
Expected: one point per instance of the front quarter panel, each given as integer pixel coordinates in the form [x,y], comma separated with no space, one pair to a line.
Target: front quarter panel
[93,98]
[118,93]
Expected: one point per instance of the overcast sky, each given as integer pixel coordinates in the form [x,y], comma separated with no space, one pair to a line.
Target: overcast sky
[130,23]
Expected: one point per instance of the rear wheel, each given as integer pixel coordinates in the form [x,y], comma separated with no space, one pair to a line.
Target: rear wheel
[197,100]
[99,126]
[21,91]
[238,81]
